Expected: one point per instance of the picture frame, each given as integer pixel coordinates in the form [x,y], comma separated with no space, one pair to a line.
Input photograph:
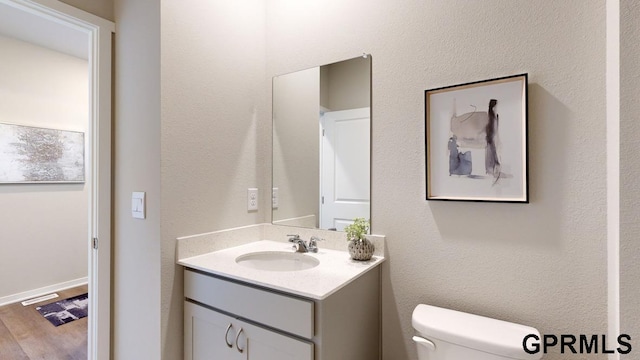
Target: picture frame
[476,141]
[32,155]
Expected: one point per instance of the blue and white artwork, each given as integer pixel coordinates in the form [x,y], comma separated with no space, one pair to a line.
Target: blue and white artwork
[33,155]
[476,141]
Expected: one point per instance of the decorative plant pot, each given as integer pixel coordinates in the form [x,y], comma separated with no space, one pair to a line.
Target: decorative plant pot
[361,249]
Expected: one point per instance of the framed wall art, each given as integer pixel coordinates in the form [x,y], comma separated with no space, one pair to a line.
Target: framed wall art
[39,155]
[476,141]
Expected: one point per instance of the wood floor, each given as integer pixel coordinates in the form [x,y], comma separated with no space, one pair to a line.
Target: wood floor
[27,335]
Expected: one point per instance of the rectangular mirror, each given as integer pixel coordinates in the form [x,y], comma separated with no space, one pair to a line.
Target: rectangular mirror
[322,145]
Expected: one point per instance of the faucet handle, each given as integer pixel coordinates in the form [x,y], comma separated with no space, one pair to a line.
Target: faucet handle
[313,243]
[293,237]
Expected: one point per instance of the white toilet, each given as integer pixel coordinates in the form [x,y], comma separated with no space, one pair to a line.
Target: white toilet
[445,334]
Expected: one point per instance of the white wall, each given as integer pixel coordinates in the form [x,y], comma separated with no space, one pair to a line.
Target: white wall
[214,122]
[542,264]
[629,169]
[44,234]
[136,243]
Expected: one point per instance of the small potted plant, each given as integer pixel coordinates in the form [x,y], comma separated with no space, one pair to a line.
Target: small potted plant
[360,248]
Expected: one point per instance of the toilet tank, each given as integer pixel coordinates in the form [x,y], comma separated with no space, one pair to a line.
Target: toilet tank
[444,334]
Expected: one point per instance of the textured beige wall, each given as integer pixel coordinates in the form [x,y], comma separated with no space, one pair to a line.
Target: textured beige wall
[214,131]
[44,229]
[629,170]
[101,8]
[542,264]
[136,244]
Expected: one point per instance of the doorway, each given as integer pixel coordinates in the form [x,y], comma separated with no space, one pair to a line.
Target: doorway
[57,26]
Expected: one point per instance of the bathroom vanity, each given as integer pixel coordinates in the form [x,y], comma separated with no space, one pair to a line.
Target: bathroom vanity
[266,309]
[249,298]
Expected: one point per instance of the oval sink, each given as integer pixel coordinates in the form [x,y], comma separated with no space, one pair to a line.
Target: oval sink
[277,261]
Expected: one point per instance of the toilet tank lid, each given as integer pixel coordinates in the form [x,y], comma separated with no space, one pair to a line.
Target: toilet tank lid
[473,331]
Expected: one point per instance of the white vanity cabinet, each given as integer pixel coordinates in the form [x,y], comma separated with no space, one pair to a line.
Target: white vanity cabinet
[228,319]
[211,335]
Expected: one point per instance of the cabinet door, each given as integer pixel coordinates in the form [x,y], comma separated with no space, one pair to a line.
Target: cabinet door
[210,335]
[263,344]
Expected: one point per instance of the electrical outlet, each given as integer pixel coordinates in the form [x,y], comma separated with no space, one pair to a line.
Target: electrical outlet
[252,199]
[274,198]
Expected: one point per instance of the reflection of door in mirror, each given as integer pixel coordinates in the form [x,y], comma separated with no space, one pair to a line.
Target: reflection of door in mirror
[344,167]
[322,181]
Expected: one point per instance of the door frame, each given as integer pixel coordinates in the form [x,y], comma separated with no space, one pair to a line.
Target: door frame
[99,35]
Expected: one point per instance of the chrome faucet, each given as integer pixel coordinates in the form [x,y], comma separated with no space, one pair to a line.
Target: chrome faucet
[299,245]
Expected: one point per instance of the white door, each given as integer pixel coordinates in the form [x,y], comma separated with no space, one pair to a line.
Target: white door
[345,167]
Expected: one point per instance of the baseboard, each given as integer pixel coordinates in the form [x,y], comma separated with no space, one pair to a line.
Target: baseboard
[10,299]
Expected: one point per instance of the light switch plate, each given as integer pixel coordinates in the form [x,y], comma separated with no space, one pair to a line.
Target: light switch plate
[138,204]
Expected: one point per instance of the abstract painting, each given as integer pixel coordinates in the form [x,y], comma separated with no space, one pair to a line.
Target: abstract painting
[38,155]
[476,141]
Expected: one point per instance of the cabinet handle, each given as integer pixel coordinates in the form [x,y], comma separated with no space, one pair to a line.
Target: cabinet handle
[238,345]
[226,334]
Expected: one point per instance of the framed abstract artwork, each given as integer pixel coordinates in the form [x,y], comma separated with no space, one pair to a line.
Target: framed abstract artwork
[39,155]
[476,141]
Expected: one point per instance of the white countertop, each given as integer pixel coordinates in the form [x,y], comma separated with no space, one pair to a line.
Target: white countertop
[336,269]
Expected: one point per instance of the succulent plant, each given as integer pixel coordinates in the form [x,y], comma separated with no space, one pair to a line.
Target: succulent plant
[358,230]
